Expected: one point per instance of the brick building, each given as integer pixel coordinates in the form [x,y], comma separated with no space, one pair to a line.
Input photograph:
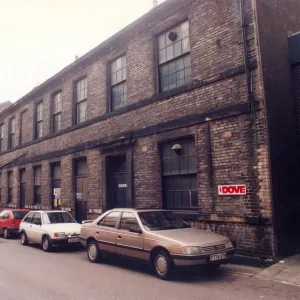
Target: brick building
[194,94]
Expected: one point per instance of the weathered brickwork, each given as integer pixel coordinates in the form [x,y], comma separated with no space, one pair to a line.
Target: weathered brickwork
[228,127]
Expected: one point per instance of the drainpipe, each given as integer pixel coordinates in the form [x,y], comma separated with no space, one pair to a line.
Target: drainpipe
[245,46]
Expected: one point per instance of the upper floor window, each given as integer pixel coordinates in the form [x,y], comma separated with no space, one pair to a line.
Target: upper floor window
[174,57]
[1,137]
[39,121]
[118,83]
[12,134]
[23,126]
[57,108]
[81,100]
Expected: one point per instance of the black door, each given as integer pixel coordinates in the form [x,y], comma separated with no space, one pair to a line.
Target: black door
[117,182]
[119,190]
[22,188]
[81,190]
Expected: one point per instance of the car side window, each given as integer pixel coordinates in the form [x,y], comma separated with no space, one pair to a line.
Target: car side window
[110,220]
[129,220]
[37,220]
[5,215]
[28,218]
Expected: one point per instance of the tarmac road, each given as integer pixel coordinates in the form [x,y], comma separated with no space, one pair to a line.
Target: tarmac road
[27,273]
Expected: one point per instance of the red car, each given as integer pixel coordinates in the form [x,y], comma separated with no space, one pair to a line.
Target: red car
[10,220]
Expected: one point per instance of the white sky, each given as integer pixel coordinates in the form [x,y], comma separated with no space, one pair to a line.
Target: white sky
[40,37]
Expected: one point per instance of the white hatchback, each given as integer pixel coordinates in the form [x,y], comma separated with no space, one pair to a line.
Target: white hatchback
[49,228]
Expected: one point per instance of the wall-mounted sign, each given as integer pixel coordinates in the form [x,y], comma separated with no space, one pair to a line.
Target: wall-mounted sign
[234,189]
[79,195]
[56,191]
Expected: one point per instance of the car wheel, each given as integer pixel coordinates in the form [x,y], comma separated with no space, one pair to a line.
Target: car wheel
[46,244]
[24,240]
[93,252]
[6,233]
[163,265]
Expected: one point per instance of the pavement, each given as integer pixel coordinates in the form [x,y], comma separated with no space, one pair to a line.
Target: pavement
[28,273]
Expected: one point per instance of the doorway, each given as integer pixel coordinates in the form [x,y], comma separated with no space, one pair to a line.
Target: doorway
[22,188]
[117,182]
[80,189]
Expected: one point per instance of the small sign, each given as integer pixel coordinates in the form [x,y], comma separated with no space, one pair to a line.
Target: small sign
[56,191]
[234,189]
[79,195]
[123,185]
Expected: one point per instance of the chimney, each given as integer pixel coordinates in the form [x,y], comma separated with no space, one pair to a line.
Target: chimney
[155,3]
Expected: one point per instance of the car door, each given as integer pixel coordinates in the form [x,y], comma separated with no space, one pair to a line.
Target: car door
[36,229]
[26,225]
[106,232]
[130,243]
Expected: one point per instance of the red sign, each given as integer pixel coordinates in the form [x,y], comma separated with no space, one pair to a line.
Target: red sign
[234,189]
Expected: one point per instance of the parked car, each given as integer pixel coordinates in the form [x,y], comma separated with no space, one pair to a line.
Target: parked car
[10,220]
[160,237]
[50,229]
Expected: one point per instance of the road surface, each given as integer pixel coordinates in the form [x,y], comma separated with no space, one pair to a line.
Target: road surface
[27,273]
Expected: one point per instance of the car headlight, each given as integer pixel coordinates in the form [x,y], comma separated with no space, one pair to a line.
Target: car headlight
[228,245]
[192,250]
[59,234]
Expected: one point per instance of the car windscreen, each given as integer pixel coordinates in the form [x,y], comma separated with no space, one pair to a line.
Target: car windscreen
[57,217]
[162,220]
[19,214]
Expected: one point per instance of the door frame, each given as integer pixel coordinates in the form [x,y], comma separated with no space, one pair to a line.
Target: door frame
[105,177]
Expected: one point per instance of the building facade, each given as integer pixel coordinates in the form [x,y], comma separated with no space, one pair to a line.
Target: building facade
[182,101]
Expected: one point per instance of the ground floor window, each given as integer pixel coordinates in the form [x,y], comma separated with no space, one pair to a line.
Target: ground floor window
[37,185]
[179,174]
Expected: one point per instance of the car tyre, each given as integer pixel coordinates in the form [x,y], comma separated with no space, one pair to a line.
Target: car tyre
[46,244]
[6,233]
[24,240]
[163,265]
[93,252]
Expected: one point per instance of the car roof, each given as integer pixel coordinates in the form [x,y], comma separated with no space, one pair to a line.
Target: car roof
[16,209]
[48,211]
[137,209]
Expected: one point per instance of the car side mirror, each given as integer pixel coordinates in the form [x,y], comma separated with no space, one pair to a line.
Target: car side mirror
[135,229]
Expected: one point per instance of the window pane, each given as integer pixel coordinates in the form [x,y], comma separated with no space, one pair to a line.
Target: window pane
[39,129]
[57,122]
[111,219]
[113,78]
[185,45]
[124,74]
[165,83]
[119,76]
[170,52]
[128,220]
[194,198]
[172,81]
[186,200]
[162,41]
[119,95]
[187,61]
[81,111]
[56,172]
[162,56]
[168,199]
[177,199]
[172,67]
[177,49]
[81,167]
[179,64]
[167,166]
[124,61]
[183,165]
[119,63]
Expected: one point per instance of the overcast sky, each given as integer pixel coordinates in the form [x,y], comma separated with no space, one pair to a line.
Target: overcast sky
[40,37]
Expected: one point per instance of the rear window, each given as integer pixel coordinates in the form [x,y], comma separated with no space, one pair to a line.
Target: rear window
[19,214]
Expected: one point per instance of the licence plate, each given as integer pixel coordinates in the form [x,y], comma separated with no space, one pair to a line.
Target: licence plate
[219,256]
[74,240]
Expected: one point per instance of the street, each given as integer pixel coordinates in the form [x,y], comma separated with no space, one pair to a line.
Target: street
[29,273]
